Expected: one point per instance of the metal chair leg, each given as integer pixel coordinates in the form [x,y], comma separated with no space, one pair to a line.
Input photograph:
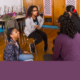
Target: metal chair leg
[5,38]
[25,45]
[24,39]
[19,39]
[21,26]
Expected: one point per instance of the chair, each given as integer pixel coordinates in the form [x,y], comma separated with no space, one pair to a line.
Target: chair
[42,15]
[28,41]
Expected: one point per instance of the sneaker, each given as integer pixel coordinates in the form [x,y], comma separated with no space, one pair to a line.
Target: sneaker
[32,48]
[45,48]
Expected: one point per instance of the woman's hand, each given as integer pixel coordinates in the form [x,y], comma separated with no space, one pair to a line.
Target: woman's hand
[26,52]
[36,26]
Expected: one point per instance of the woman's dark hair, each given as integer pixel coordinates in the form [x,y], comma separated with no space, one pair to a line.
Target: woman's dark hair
[71,8]
[9,32]
[29,14]
[67,25]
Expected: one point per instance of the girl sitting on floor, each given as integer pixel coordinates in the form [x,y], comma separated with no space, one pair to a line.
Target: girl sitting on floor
[67,43]
[32,29]
[12,50]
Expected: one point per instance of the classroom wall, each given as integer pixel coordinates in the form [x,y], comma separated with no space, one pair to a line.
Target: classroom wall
[58,8]
[10,3]
[78,7]
[27,3]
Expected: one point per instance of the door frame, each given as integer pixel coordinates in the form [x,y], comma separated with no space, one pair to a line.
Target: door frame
[49,23]
[53,10]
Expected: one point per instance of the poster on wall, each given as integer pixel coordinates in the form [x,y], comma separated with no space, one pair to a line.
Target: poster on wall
[47,7]
[71,2]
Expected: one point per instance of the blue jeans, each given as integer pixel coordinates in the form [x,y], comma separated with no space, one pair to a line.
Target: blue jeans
[79,33]
[26,57]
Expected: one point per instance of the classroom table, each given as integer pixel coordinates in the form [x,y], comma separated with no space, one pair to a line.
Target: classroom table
[18,18]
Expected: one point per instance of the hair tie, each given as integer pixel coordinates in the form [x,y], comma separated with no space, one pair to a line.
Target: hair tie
[74,11]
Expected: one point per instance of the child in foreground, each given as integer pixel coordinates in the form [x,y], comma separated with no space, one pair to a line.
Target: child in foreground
[12,50]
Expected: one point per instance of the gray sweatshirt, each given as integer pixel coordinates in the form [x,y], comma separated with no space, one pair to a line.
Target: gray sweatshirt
[29,28]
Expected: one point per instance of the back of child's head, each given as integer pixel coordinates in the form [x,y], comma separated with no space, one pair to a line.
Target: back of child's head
[67,25]
[71,8]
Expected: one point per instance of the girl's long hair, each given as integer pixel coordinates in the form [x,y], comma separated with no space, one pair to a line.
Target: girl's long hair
[67,25]
[9,32]
[29,14]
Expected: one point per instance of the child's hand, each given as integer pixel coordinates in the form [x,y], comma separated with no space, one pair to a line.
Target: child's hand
[36,26]
[26,52]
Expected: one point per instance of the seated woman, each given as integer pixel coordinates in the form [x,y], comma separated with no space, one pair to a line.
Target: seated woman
[32,29]
[12,50]
[67,43]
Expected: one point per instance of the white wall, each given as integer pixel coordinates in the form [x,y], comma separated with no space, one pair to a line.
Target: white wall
[10,3]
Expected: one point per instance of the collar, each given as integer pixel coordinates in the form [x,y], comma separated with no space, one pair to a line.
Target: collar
[11,40]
